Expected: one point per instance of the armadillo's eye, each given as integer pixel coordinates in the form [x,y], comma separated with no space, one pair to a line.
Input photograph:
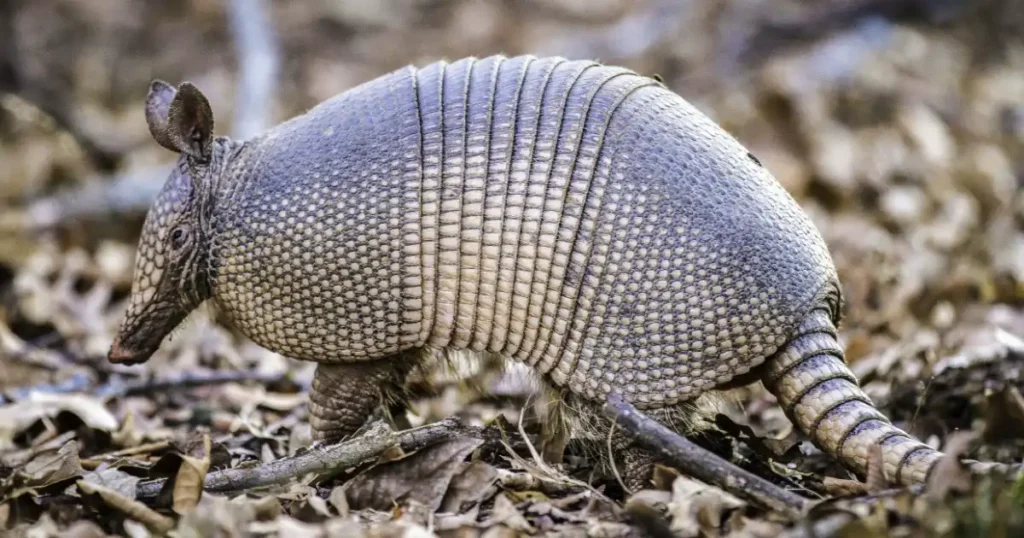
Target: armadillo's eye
[178,237]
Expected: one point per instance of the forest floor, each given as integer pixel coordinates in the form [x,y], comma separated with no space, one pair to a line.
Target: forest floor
[898,125]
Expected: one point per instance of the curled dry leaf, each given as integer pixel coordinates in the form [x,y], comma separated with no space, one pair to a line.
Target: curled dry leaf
[949,475]
[83,529]
[45,469]
[129,507]
[1004,415]
[126,435]
[216,515]
[113,479]
[875,480]
[842,487]
[505,513]
[51,467]
[338,501]
[423,476]
[470,485]
[188,483]
[18,416]
[646,509]
[698,508]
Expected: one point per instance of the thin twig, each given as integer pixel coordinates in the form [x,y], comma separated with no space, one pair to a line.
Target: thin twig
[116,387]
[321,460]
[611,460]
[701,463]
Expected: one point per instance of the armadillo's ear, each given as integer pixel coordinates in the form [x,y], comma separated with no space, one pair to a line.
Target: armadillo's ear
[158,103]
[190,122]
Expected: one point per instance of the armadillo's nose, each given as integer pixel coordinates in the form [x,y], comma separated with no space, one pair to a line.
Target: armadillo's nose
[121,355]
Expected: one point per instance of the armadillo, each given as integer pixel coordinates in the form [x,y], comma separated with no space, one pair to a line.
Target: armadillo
[578,218]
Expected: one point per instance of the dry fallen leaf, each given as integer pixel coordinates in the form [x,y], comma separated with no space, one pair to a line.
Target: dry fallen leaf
[129,507]
[423,477]
[697,507]
[338,501]
[16,417]
[469,486]
[949,475]
[876,480]
[216,515]
[116,480]
[1004,415]
[842,487]
[505,513]
[44,469]
[188,483]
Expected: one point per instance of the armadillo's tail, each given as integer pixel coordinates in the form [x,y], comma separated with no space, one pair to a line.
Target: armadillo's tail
[823,398]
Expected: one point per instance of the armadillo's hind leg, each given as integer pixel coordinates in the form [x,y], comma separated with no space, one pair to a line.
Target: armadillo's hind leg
[344,395]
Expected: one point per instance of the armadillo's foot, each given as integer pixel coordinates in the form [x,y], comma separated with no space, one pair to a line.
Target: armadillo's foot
[634,465]
[345,395]
[637,468]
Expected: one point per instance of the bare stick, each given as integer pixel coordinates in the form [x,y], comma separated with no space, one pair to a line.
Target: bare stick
[701,463]
[325,459]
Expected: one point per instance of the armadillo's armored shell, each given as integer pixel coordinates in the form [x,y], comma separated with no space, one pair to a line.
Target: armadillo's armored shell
[577,217]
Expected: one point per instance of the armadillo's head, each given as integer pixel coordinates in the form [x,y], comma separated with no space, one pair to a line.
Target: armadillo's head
[170,265]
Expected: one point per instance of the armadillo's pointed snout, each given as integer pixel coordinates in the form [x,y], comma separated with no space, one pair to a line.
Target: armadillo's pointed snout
[119,354]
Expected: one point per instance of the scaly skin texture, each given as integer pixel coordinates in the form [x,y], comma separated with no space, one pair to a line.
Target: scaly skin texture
[578,218]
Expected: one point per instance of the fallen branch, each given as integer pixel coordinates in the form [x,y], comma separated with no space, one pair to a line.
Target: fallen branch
[701,463]
[326,459]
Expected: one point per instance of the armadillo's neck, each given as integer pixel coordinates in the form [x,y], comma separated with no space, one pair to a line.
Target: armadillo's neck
[228,171]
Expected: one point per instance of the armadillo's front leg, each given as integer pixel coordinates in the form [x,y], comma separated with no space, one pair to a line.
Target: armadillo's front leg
[344,395]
